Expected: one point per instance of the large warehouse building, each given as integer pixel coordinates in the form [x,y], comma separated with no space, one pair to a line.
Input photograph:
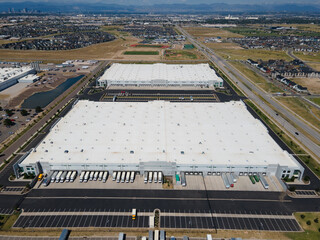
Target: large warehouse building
[161,136]
[160,74]
[11,76]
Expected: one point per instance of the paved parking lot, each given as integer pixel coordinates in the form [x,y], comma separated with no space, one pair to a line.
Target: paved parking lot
[83,220]
[12,189]
[6,211]
[235,223]
[109,184]
[305,193]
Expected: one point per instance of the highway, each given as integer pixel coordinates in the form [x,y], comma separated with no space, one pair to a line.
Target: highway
[253,92]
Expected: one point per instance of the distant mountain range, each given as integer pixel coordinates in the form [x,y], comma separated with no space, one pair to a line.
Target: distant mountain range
[158,8]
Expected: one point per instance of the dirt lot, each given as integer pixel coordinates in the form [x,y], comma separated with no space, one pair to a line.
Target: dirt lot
[313,84]
[108,50]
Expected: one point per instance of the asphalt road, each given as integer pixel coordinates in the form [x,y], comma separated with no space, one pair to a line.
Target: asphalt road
[252,93]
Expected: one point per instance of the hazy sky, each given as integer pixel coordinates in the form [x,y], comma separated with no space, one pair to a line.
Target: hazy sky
[142,2]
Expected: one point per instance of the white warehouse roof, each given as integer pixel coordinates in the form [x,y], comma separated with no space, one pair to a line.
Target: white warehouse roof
[160,71]
[185,133]
[9,73]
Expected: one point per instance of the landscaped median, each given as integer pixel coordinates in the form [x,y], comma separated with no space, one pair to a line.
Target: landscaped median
[311,225]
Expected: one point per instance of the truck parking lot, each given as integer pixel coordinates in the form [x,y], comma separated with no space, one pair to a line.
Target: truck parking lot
[102,179]
[154,180]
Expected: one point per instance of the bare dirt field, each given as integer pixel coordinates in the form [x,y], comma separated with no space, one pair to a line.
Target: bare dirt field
[313,84]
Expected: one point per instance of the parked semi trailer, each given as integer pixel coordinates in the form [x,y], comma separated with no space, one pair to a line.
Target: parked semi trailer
[100,176]
[54,175]
[146,177]
[225,180]
[234,177]
[150,177]
[183,179]
[114,176]
[156,234]
[252,179]
[73,176]
[63,177]
[91,175]
[105,176]
[123,177]
[155,177]
[150,235]
[228,175]
[162,235]
[263,181]
[95,176]
[160,177]
[118,177]
[81,178]
[86,176]
[58,176]
[132,176]
[68,176]
[127,177]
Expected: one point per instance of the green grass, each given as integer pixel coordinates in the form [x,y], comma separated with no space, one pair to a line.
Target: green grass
[7,221]
[315,100]
[311,231]
[305,157]
[149,46]
[141,53]
[302,108]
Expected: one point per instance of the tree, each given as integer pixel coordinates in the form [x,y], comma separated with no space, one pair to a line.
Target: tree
[24,112]
[38,109]
[7,122]
[309,222]
[306,178]
[292,188]
[302,216]
[9,112]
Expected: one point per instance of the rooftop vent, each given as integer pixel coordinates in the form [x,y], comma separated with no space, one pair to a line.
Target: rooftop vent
[131,152]
[66,151]
[182,152]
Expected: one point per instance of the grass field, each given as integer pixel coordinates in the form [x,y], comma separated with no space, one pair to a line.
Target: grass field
[312,231]
[149,46]
[309,57]
[105,50]
[305,110]
[141,53]
[315,100]
[257,79]
[255,54]
[210,32]
[180,55]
